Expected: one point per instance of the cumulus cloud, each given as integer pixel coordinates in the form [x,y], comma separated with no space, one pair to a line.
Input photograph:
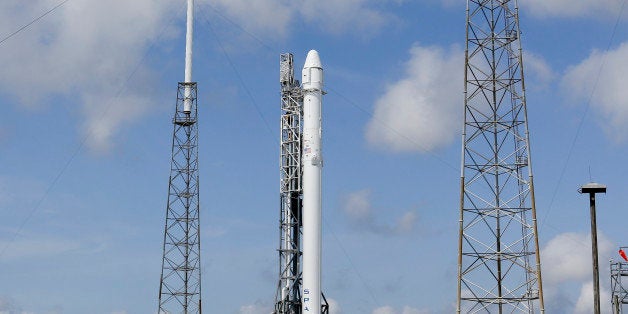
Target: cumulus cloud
[357,206]
[584,305]
[8,305]
[392,310]
[384,310]
[569,8]
[566,265]
[422,111]
[82,53]
[334,306]
[567,257]
[538,73]
[257,308]
[604,71]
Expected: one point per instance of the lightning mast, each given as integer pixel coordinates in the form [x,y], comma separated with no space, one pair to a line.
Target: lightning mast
[180,284]
[288,297]
[499,269]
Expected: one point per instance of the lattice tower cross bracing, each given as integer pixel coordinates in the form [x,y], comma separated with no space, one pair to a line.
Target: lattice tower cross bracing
[499,268]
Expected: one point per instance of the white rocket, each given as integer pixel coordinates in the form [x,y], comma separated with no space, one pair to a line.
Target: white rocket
[312,80]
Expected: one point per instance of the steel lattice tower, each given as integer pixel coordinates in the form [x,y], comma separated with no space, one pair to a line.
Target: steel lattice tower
[180,288]
[180,284]
[499,268]
[288,294]
[619,288]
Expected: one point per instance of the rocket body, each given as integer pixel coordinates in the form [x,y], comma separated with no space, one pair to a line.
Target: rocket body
[312,160]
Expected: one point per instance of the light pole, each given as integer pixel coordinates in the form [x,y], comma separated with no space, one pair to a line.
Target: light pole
[592,189]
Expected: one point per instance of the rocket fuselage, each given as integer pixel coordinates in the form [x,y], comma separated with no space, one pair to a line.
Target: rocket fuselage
[312,83]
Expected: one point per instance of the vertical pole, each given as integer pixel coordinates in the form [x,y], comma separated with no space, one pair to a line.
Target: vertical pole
[596,270]
[189,35]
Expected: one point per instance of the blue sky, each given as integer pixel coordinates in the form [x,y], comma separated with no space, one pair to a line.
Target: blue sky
[87,95]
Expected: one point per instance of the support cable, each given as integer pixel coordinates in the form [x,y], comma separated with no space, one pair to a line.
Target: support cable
[584,114]
[83,141]
[33,21]
[239,77]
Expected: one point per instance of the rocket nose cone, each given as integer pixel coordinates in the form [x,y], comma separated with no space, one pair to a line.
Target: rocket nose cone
[312,60]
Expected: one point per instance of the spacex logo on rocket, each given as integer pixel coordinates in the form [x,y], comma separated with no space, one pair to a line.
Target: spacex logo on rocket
[312,83]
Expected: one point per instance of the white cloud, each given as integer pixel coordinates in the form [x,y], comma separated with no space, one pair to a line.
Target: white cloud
[392,310]
[570,8]
[8,305]
[538,73]
[357,206]
[407,222]
[334,307]
[83,53]
[410,310]
[422,111]
[610,97]
[584,305]
[384,310]
[257,308]
[567,257]
[566,265]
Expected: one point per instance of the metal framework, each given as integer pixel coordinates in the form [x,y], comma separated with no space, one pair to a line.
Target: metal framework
[288,294]
[499,268]
[180,286]
[619,288]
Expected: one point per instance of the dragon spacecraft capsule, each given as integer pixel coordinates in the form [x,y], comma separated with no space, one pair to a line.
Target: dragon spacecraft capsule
[312,161]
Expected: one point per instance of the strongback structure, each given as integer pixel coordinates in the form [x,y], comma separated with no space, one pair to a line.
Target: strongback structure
[288,294]
[499,268]
[619,285]
[180,284]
